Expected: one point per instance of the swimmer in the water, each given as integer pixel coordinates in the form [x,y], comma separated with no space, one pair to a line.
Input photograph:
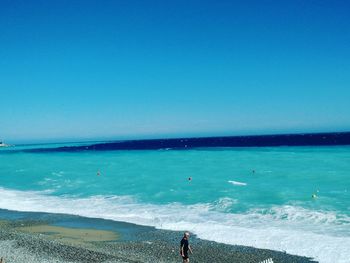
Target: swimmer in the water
[314,195]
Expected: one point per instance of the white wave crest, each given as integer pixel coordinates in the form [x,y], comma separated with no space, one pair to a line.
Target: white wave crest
[237,183]
[321,235]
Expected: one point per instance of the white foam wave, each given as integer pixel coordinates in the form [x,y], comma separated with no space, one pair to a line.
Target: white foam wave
[322,235]
[237,183]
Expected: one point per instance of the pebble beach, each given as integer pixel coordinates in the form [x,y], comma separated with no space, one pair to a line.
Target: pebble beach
[49,238]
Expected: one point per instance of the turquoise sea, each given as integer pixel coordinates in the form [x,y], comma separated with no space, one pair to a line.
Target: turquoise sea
[259,197]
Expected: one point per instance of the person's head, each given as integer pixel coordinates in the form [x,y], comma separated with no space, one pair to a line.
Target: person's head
[187,235]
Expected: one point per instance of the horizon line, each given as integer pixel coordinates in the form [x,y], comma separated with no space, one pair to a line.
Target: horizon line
[82,140]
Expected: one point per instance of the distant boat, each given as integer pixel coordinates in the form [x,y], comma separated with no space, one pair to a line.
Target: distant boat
[3,144]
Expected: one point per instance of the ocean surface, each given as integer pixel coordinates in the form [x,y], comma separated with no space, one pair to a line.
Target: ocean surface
[289,198]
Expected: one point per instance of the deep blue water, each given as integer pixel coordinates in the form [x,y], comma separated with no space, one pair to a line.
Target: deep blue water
[312,139]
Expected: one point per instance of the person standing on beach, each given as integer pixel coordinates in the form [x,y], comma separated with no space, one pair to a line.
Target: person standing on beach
[185,247]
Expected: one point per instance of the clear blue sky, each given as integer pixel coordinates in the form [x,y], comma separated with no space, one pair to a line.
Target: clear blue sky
[120,69]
